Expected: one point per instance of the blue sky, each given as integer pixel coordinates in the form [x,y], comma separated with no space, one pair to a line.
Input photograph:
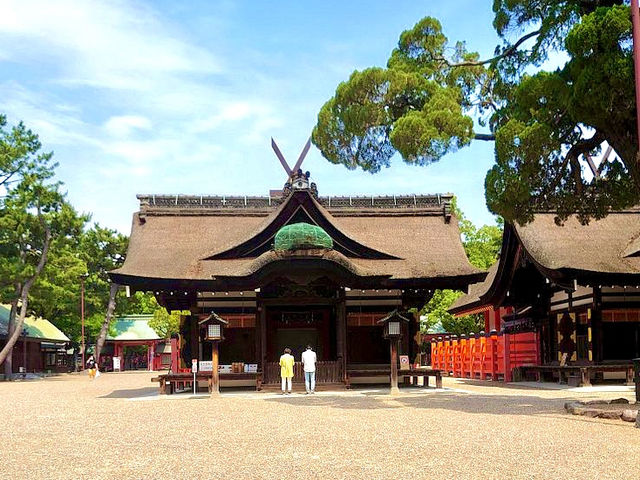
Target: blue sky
[183,97]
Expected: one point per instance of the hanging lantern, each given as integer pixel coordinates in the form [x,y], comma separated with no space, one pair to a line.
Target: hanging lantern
[392,324]
[215,327]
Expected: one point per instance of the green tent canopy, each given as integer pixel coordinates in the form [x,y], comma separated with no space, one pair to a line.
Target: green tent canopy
[301,236]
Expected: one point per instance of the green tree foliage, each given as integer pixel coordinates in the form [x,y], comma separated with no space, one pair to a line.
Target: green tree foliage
[436,312]
[481,246]
[45,246]
[544,124]
[34,216]
[57,293]
[20,155]
[165,324]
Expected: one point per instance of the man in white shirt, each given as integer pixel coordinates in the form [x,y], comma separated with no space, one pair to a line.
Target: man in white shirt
[309,362]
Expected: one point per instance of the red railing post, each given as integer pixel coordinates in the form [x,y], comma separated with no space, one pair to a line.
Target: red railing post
[482,353]
[471,342]
[447,355]
[493,340]
[463,354]
[434,353]
[507,357]
[454,355]
[474,353]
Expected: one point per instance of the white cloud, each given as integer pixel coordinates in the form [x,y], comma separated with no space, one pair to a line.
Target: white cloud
[114,45]
[232,112]
[124,125]
[131,101]
[56,122]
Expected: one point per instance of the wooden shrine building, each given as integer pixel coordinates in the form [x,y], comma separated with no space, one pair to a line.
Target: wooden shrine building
[576,286]
[42,346]
[294,268]
[133,345]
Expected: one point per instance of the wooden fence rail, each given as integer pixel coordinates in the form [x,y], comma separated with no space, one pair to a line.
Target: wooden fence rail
[326,372]
[482,356]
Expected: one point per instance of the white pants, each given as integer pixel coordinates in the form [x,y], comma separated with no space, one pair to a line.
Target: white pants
[286,382]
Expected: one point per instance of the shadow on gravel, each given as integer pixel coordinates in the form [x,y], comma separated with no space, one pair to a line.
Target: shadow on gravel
[488,404]
[450,401]
[132,393]
[336,401]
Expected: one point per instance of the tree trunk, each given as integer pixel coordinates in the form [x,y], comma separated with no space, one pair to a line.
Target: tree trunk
[107,319]
[12,338]
[8,363]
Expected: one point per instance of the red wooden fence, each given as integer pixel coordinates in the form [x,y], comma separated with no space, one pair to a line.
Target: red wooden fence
[483,356]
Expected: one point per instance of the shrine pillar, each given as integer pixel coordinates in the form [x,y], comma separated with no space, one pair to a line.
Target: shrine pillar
[341,332]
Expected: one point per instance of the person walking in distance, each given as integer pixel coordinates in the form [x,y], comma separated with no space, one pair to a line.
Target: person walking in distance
[286,370]
[92,367]
[309,359]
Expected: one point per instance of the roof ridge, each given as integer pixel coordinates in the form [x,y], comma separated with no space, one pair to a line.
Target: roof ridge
[150,202]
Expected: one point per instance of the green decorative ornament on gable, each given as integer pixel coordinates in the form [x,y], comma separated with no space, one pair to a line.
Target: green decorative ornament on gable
[302,236]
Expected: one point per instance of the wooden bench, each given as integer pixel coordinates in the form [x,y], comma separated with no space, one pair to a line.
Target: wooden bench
[168,382]
[414,372]
[580,374]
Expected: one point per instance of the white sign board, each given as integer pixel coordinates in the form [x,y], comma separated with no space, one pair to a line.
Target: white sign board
[206,366]
[194,365]
[404,362]
[116,364]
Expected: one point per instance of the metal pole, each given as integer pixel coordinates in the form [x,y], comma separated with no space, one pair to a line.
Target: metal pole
[82,318]
[635,21]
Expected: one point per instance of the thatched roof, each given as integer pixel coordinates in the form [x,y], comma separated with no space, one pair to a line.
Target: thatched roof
[602,246]
[605,250]
[414,238]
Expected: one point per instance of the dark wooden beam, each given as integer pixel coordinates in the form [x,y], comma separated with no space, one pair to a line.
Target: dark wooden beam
[341,331]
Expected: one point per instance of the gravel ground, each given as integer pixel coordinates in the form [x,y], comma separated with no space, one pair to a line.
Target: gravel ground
[117,427]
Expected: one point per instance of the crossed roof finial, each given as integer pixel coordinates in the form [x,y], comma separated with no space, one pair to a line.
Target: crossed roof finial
[285,165]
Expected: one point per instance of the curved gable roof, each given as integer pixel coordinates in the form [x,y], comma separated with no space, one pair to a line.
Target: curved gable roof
[190,242]
[605,246]
[300,206]
[605,249]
